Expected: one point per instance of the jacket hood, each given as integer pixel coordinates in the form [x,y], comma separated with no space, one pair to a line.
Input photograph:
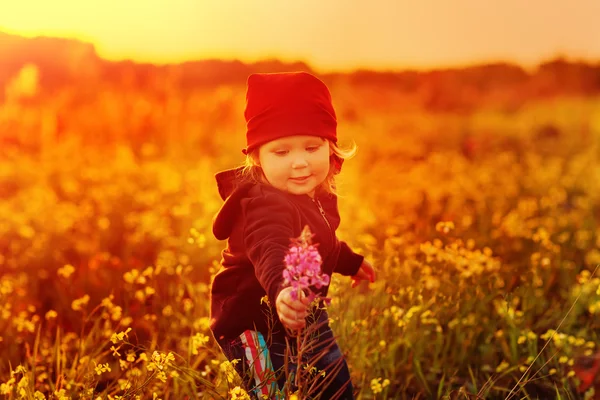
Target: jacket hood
[233,187]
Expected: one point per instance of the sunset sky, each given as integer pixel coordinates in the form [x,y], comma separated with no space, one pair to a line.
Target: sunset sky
[328,34]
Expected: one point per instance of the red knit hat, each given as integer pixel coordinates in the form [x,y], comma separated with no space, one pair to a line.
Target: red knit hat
[286,104]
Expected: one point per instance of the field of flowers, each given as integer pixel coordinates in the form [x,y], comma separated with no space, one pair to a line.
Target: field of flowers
[484,229]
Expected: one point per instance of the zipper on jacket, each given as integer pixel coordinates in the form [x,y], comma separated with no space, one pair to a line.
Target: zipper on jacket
[322,211]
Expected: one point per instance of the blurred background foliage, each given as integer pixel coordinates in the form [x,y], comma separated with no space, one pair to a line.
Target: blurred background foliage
[474,192]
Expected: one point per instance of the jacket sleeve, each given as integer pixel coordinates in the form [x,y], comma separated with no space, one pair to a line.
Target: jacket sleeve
[349,262]
[268,229]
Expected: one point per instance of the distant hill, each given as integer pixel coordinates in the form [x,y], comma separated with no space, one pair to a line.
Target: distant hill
[60,60]
[67,62]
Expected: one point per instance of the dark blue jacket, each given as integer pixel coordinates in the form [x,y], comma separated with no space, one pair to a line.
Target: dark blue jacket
[258,221]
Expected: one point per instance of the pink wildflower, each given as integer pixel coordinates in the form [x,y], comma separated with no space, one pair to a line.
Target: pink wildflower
[303,266]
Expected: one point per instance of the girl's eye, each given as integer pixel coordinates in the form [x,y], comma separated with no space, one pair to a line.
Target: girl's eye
[312,148]
[281,152]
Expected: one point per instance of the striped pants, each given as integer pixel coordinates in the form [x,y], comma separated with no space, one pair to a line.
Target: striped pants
[261,365]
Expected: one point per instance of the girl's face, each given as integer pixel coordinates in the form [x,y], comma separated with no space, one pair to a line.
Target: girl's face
[295,164]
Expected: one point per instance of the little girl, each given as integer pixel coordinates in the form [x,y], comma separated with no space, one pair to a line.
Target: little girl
[287,183]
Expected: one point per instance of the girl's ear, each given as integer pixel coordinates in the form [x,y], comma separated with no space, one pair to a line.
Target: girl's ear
[256,158]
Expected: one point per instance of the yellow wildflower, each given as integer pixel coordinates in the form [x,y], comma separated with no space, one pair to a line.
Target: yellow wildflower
[117,337]
[548,334]
[22,385]
[503,366]
[116,313]
[6,388]
[140,295]
[444,226]
[237,393]
[51,314]
[188,304]
[60,395]
[376,385]
[100,368]
[159,362]
[107,302]
[78,304]
[134,276]
[530,359]
[23,324]
[124,384]
[228,368]
[202,324]
[131,356]
[198,340]
[6,286]
[66,271]
[115,351]
[265,299]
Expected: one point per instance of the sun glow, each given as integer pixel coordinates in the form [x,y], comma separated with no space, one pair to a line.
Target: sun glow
[328,35]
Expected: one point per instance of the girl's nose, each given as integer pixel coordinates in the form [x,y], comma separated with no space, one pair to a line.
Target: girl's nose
[299,162]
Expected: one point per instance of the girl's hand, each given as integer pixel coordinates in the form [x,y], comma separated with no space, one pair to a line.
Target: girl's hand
[366,272]
[292,313]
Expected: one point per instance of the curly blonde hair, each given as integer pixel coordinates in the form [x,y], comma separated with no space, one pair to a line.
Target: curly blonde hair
[252,171]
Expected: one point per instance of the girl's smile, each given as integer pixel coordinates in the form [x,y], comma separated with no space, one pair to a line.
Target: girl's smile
[301,179]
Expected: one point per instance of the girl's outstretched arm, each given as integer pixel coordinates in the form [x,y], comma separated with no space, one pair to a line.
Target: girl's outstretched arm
[349,261]
[269,226]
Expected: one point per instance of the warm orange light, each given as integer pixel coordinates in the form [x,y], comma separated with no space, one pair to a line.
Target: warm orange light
[332,34]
